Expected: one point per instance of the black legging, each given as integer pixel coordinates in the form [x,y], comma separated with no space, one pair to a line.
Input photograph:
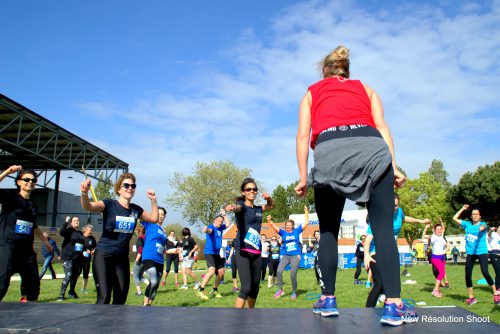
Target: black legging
[483,263]
[172,259]
[495,262]
[72,270]
[249,271]
[111,275]
[273,267]
[377,288]
[263,267]
[329,207]
[14,261]
[359,263]
[234,266]
[86,268]
[154,271]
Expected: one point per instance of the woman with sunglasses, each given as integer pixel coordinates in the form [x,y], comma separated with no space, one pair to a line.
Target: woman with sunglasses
[111,267]
[248,248]
[342,120]
[17,229]
[274,260]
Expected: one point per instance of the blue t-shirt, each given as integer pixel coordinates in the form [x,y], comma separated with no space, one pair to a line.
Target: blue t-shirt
[475,240]
[214,239]
[155,242]
[249,221]
[291,241]
[118,227]
[397,223]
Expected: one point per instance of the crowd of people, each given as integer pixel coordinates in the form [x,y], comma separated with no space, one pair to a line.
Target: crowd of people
[342,120]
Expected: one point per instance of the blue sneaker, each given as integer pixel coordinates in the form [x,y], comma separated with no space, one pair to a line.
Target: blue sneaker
[393,315]
[326,307]
[368,284]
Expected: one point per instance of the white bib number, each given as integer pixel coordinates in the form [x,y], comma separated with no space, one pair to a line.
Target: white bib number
[24,227]
[159,248]
[78,247]
[471,238]
[291,246]
[253,238]
[124,224]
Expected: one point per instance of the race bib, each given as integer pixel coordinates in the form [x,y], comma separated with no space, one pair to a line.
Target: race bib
[291,246]
[124,224]
[471,238]
[275,256]
[159,248]
[86,254]
[184,253]
[24,227]
[78,247]
[253,238]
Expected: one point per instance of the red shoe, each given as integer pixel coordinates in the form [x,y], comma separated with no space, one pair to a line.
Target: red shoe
[162,283]
[23,300]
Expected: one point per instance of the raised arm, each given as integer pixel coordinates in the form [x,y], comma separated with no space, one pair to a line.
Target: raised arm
[11,170]
[442,224]
[410,220]
[85,201]
[153,216]
[233,208]
[302,142]
[273,225]
[269,202]
[456,217]
[383,128]
[424,236]
[207,230]
[306,221]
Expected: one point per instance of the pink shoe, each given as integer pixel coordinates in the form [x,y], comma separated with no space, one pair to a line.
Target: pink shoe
[437,293]
[496,299]
[176,283]
[279,293]
[162,283]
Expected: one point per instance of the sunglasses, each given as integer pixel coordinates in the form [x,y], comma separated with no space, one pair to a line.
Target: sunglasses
[250,189]
[128,185]
[27,179]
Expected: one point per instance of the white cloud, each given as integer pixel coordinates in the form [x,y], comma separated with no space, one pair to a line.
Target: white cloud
[437,74]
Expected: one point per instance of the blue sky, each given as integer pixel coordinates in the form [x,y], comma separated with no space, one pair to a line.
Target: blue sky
[164,84]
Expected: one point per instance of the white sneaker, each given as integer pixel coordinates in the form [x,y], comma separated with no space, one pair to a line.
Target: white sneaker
[184,287]
[196,285]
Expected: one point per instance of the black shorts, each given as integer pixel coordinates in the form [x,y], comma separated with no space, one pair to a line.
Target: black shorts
[215,261]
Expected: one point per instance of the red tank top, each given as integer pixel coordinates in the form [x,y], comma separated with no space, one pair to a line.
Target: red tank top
[336,102]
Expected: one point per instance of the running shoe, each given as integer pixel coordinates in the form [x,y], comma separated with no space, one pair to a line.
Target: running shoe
[394,315]
[447,285]
[176,283]
[326,307]
[279,293]
[84,291]
[496,299]
[471,301]
[196,285]
[200,294]
[368,284]
[162,283]
[216,294]
[184,287]
[437,293]
[23,300]
[60,299]
[236,290]
[357,281]
[138,293]
[269,286]
[72,294]
[294,296]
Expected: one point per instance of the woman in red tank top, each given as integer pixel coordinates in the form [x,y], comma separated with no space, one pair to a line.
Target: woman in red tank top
[354,159]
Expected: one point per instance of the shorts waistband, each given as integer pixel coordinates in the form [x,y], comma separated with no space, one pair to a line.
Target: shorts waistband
[346,131]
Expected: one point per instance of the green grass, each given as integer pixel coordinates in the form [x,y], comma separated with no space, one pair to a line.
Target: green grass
[348,294]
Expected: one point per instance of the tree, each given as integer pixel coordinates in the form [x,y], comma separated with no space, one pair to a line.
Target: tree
[211,186]
[437,171]
[286,202]
[177,228]
[104,188]
[481,190]
[424,197]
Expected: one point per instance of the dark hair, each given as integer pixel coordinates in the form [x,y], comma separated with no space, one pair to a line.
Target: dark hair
[396,196]
[438,224]
[186,231]
[246,181]
[171,231]
[162,208]
[20,176]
